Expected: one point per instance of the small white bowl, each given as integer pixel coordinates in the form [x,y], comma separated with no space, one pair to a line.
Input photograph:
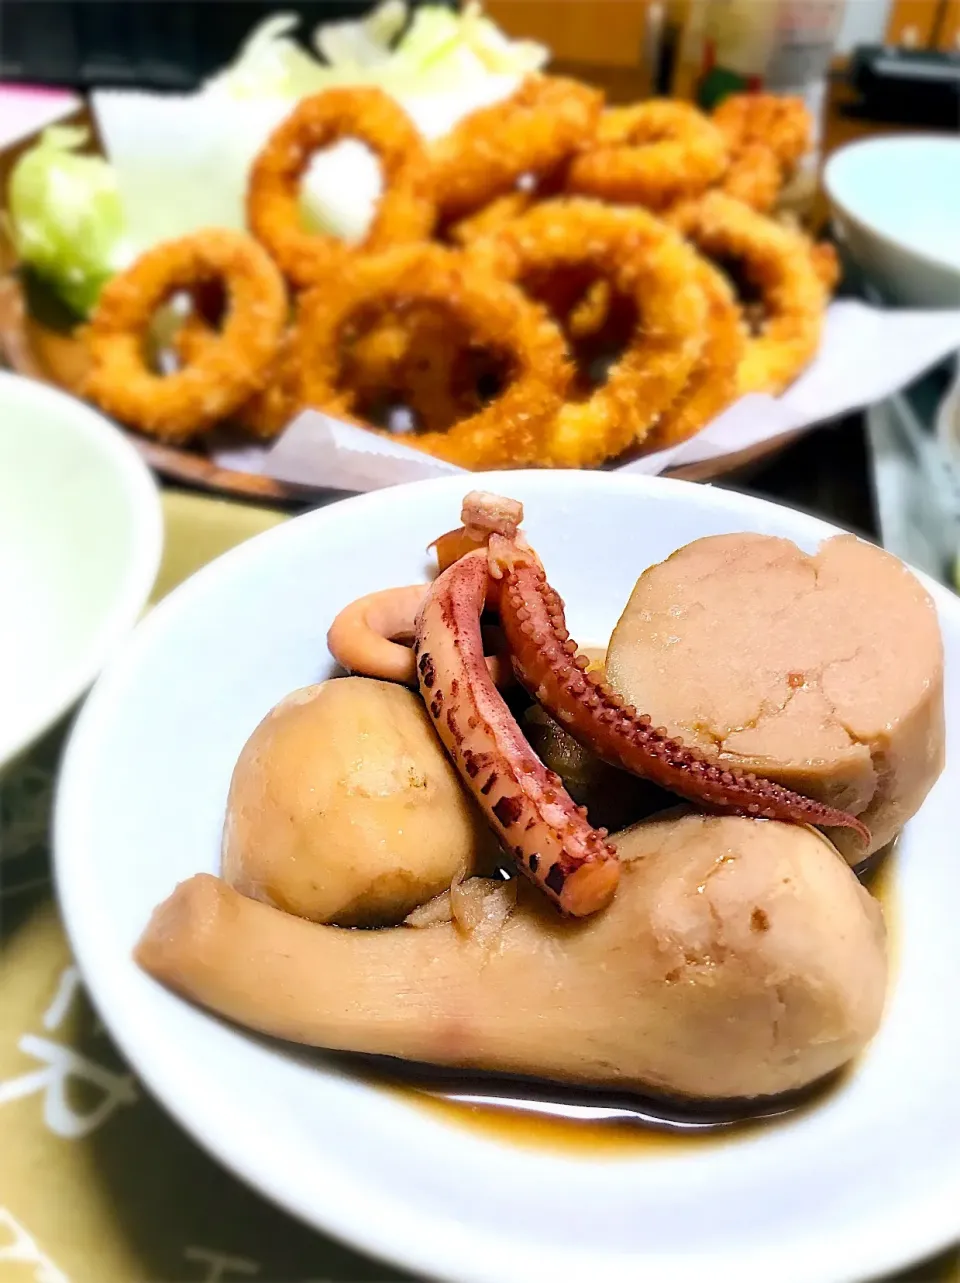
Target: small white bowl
[80,540]
[860,1184]
[895,205]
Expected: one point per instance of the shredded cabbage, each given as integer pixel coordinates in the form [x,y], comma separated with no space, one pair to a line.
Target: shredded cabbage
[362,44]
[66,217]
[271,64]
[440,50]
[445,47]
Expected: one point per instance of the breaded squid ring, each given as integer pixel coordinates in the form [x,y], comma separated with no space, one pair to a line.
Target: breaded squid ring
[268,411]
[781,124]
[650,154]
[712,384]
[489,218]
[754,176]
[420,357]
[231,369]
[533,131]
[591,311]
[778,262]
[826,264]
[643,260]
[405,212]
[511,429]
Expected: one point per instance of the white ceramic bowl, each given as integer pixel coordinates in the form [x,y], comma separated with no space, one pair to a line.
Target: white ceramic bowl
[866,1181]
[80,540]
[895,206]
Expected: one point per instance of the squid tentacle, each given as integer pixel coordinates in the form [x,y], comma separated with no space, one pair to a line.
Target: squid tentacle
[534,817]
[548,664]
[536,820]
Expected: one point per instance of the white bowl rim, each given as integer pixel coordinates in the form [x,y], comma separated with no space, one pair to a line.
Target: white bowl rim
[893,1243]
[145,547]
[895,142]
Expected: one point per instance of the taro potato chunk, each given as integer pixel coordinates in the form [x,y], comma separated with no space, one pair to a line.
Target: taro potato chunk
[343,807]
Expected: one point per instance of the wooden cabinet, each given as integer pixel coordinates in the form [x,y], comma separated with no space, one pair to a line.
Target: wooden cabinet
[604,32]
[947,35]
[602,41]
[912,23]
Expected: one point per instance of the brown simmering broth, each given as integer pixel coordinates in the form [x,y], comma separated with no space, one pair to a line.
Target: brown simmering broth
[599,1123]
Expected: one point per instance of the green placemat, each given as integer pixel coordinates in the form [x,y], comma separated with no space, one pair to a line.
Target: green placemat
[97,1183]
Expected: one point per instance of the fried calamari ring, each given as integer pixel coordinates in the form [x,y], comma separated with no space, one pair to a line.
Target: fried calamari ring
[422,357]
[644,262]
[754,176]
[650,154]
[533,131]
[511,429]
[778,263]
[590,313]
[826,264]
[490,218]
[268,411]
[712,384]
[227,373]
[781,124]
[405,212]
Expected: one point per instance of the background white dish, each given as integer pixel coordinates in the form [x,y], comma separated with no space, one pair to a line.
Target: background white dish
[866,1181]
[80,539]
[894,206]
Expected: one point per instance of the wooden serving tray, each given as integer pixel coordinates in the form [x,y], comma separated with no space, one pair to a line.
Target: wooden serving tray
[41,350]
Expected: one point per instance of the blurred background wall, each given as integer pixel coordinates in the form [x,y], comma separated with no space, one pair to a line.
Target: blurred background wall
[174,44]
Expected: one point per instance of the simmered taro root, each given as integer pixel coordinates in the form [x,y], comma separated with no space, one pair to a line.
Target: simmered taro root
[343,807]
[738,959]
[823,673]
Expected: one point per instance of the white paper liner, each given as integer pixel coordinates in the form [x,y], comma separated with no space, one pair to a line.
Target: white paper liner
[867,353]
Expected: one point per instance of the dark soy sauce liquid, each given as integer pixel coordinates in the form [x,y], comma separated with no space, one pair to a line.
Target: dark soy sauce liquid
[545,1116]
[531,1113]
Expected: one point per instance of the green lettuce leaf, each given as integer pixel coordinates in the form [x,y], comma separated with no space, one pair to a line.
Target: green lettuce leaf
[66,217]
[272,64]
[441,49]
[362,44]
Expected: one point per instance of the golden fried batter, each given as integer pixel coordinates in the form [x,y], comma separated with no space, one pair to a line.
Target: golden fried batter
[511,429]
[712,384]
[778,262]
[490,217]
[646,263]
[754,176]
[546,121]
[405,213]
[779,123]
[268,411]
[230,370]
[650,154]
